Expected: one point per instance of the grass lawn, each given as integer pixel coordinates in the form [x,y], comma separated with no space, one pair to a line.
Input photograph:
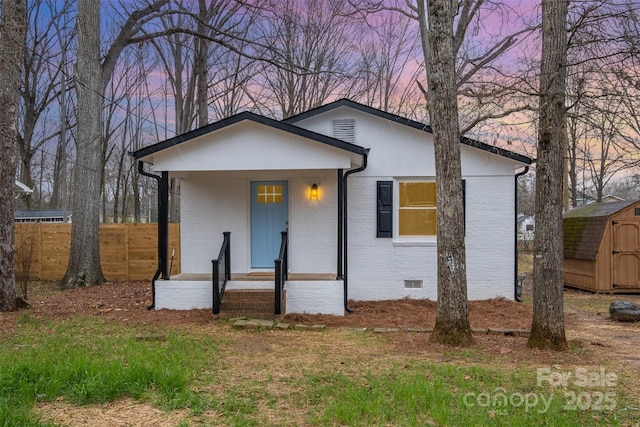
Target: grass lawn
[88,371]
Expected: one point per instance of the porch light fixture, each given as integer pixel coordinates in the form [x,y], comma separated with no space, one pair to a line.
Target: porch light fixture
[313,192]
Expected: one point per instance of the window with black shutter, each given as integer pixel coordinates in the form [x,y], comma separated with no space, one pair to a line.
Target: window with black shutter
[416,210]
[384,225]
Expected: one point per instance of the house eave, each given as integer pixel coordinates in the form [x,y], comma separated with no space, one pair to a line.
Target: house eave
[146,154]
[519,158]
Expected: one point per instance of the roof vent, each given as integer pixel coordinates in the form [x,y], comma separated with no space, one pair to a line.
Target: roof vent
[345,130]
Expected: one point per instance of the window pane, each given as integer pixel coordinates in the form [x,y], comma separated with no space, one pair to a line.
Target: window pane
[269,193]
[417,194]
[417,222]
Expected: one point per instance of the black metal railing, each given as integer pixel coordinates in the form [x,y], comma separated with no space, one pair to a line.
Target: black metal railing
[281,273]
[221,271]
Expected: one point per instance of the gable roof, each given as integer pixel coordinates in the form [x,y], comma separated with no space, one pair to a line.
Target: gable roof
[583,228]
[253,117]
[407,122]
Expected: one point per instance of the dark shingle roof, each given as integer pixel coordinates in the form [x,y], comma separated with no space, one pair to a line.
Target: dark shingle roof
[583,228]
[43,213]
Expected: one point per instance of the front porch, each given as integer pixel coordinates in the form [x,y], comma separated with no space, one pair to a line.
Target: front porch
[255,181]
[310,293]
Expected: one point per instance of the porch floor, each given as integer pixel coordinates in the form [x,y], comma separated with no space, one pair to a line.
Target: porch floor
[256,276]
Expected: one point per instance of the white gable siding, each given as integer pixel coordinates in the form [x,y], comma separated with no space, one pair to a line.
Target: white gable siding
[250,146]
[398,150]
[215,202]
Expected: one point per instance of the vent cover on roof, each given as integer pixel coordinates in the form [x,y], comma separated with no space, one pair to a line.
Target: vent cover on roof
[345,130]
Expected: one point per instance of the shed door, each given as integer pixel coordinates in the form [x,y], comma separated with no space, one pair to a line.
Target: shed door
[626,254]
[269,217]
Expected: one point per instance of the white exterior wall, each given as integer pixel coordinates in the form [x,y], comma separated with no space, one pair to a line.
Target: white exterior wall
[304,297]
[214,202]
[378,267]
[183,295]
[315,297]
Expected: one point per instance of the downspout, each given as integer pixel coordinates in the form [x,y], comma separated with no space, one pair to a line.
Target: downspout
[339,273]
[163,228]
[516,295]
[365,155]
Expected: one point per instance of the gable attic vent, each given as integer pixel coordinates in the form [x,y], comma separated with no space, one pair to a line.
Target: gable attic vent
[345,130]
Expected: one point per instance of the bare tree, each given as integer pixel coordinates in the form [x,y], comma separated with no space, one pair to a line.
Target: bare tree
[601,52]
[125,132]
[308,56]
[627,188]
[13,29]
[391,63]
[41,82]
[26,241]
[576,134]
[605,152]
[84,261]
[547,328]
[93,76]
[437,31]
[64,32]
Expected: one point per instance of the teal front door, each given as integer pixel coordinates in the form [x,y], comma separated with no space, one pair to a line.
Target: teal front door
[269,217]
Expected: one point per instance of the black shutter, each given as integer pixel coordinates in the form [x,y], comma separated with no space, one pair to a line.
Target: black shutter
[384,222]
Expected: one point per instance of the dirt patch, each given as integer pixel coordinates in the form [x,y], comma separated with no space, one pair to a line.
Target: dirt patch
[419,313]
[123,412]
[127,302]
[121,302]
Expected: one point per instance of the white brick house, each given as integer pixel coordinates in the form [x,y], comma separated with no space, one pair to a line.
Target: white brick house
[355,189]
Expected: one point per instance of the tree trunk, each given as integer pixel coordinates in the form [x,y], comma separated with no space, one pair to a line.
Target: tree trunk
[200,67]
[60,162]
[84,259]
[452,317]
[13,29]
[547,329]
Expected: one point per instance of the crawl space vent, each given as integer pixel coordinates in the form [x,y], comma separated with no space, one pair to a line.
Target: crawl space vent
[345,130]
[413,284]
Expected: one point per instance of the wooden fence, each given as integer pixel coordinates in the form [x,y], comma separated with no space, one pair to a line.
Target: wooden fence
[127,251]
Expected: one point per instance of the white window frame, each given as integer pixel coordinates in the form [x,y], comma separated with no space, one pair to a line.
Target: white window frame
[399,240]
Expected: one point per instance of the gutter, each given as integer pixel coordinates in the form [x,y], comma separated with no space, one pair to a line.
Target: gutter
[365,156]
[517,293]
[163,228]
